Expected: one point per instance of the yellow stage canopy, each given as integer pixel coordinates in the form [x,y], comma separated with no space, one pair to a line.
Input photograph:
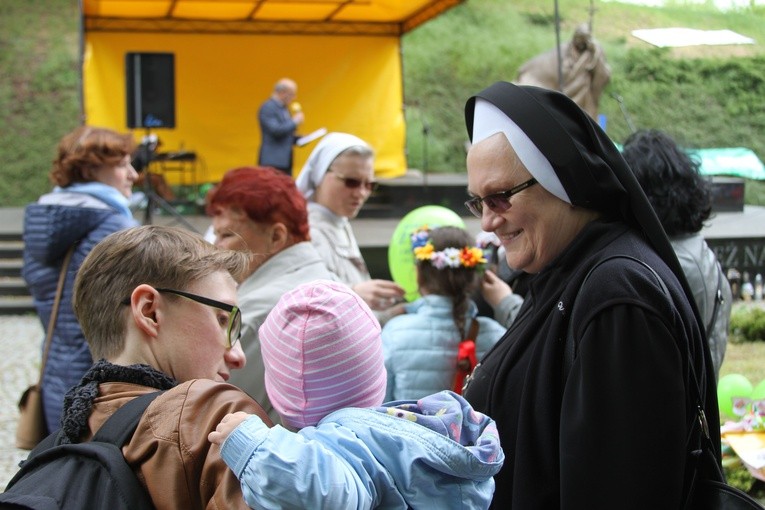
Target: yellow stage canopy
[345,56]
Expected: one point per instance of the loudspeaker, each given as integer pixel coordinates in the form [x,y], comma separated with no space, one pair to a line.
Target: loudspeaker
[150,90]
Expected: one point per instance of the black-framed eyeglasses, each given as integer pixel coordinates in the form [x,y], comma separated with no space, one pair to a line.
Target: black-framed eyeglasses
[497,202]
[234,328]
[352,183]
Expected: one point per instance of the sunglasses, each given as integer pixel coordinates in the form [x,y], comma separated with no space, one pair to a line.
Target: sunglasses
[234,328]
[352,183]
[497,202]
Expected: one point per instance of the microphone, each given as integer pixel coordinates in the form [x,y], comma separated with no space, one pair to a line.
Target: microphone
[295,107]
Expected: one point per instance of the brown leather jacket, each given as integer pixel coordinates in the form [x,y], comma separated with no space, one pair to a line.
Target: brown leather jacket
[169,450]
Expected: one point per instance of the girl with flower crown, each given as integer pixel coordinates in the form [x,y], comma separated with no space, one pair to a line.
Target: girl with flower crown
[422,346]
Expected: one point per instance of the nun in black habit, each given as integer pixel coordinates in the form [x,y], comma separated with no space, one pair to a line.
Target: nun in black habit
[608,427]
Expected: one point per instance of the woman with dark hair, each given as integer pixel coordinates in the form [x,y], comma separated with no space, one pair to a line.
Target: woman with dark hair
[422,346]
[259,210]
[94,180]
[591,386]
[682,199]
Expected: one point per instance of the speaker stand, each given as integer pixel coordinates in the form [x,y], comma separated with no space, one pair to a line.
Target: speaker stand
[153,199]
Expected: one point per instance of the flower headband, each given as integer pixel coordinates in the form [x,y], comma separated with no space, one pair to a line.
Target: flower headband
[467,256]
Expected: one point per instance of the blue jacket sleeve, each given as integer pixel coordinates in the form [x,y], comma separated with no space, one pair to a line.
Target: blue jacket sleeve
[282,469]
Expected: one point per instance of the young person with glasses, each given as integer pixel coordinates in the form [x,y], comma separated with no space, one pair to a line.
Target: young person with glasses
[337,179]
[158,307]
[261,212]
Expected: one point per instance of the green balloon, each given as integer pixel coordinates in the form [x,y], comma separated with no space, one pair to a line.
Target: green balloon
[400,256]
[729,387]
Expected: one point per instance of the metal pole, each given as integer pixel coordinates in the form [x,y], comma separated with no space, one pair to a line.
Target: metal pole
[425,138]
[81,62]
[557,46]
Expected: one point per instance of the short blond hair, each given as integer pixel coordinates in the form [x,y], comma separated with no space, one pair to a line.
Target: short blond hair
[155,255]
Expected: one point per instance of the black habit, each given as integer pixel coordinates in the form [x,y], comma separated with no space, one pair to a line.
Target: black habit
[613,432]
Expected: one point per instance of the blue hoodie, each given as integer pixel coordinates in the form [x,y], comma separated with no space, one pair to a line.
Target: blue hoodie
[433,453]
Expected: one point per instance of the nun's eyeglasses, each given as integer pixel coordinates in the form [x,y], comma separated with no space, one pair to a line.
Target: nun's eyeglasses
[352,183]
[497,202]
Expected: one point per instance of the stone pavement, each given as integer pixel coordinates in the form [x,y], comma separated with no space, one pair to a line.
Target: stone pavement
[21,338]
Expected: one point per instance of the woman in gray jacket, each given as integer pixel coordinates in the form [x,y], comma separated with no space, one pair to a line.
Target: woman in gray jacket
[682,200]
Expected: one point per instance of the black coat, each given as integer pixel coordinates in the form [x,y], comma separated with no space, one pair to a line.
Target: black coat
[613,435]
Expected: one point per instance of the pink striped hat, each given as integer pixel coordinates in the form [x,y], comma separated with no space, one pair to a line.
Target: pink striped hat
[322,352]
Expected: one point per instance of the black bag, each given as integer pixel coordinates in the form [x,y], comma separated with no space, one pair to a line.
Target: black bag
[712,493]
[708,491]
[92,474]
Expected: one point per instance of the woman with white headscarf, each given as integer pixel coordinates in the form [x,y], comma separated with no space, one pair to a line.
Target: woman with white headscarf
[337,179]
[591,386]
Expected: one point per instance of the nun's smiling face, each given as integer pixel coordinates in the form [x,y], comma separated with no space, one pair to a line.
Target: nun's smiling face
[538,226]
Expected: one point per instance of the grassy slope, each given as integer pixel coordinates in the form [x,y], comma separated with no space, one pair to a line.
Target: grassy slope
[39,98]
[445,61]
[480,42]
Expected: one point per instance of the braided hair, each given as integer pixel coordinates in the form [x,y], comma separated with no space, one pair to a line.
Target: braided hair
[457,283]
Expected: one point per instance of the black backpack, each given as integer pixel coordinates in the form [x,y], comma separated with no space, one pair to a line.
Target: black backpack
[92,474]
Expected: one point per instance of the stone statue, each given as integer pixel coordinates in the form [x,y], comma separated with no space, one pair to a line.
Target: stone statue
[585,72]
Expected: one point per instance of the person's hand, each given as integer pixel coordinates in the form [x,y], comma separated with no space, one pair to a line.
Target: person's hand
[389,313]
[226,427]
[493,288]
[379,294]
[298,118]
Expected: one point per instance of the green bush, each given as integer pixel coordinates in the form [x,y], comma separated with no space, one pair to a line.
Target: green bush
[687,96]
[739,477]
[747,324]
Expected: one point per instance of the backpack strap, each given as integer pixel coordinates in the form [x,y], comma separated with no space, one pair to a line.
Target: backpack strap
[718,301]
[117,430]
[120,426]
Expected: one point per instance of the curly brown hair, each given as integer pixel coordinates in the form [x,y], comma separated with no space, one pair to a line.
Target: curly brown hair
[670,178]
[86,149]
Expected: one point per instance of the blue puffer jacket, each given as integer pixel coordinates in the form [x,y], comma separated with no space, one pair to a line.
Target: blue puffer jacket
[420,347]
[433,453]
[51,226]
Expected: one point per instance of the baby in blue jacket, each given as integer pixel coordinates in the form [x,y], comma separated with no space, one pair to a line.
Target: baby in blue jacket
[339,446]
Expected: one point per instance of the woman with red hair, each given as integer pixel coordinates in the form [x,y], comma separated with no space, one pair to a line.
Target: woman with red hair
[260,210]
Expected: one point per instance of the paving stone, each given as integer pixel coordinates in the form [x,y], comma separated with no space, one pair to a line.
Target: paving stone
[21,339]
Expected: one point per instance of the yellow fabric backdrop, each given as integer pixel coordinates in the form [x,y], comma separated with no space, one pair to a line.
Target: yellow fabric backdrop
[345,83]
